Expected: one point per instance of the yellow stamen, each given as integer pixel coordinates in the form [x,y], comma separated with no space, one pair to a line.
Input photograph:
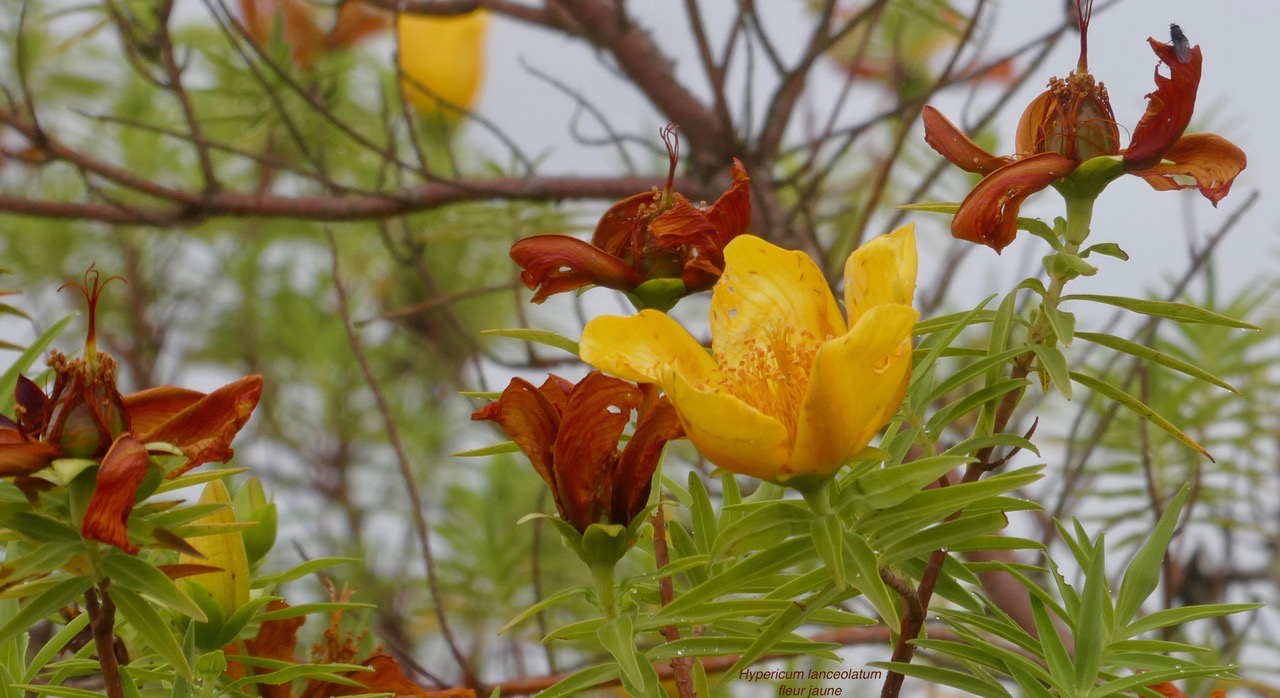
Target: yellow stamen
[772,372]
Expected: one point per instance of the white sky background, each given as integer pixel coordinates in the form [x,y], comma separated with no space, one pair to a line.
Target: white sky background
[1236,100]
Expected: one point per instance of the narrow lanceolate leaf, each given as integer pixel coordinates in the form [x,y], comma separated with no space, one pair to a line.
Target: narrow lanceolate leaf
[1178,312]
[1055,365]
[618,638]
[1136,406]
[141,576]
[496,449]
[1093,622]
[1148,354]
[546,337]
[43,604]
[230,586]
[1143,575]
[140,615]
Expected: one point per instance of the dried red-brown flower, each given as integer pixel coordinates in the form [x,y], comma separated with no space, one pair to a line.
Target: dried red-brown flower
[85,416]
[1072,122]
[298,27]
[647,236]
[570,433]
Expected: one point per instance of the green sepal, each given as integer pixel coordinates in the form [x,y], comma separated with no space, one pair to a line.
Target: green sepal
[1091,177]
[658,294]
[604,544]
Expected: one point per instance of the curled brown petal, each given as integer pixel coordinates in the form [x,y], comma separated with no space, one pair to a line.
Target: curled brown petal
[639,460]
[148,409]
[960,150]
[623,224]
[122,470]
[1212,161]
[586,450]
[204,429]
[1169,108]
[531,419]
[557,263]
[989,214]
[731,213]
[18,456]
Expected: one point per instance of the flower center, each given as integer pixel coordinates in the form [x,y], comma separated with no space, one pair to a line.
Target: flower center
[771,372]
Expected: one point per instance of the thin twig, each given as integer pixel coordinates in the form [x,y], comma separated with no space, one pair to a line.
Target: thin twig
[680,666]
[417,507]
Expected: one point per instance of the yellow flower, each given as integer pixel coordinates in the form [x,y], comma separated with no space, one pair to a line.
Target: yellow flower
[789,388]
[442,61]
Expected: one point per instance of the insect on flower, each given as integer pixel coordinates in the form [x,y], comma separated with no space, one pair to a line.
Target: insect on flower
[1181,46]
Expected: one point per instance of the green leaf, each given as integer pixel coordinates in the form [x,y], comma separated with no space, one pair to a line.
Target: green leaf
[977,443]
[1178,312]
[237,621]
[946,339]
[1143,574]
[46,603]
[617,637]
[1063,323]
[1150,678]
[1061,672]
[946,207]
[41,560]
[1093,621]
[1109,249]
[983,397]
[1067,265]
[41,528]
[765,526]
[704,517]
[867,580]
[972,371]
[54,646]
[947,677]
[781,626]
[141,576]
[887,487]
[494,450]
[739,575]
[302,570]
[1148,354]
[9,379]
[1040,229]
[306,609]
[942,535]
[152,628]
[546,337]
[581,681]
[1168,617]
[552,600]
[1136,406]
[1055,364]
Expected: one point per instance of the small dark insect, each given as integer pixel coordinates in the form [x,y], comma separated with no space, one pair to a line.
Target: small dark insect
[1181,46]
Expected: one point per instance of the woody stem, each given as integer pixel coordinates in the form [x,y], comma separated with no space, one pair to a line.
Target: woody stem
[1079,216]
[102,619]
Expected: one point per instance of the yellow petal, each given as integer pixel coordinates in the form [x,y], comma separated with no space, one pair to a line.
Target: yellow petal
[636,348]
[857,384]
[230,585]
[765,286]
[442,60]
[727,431]
[881,271]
